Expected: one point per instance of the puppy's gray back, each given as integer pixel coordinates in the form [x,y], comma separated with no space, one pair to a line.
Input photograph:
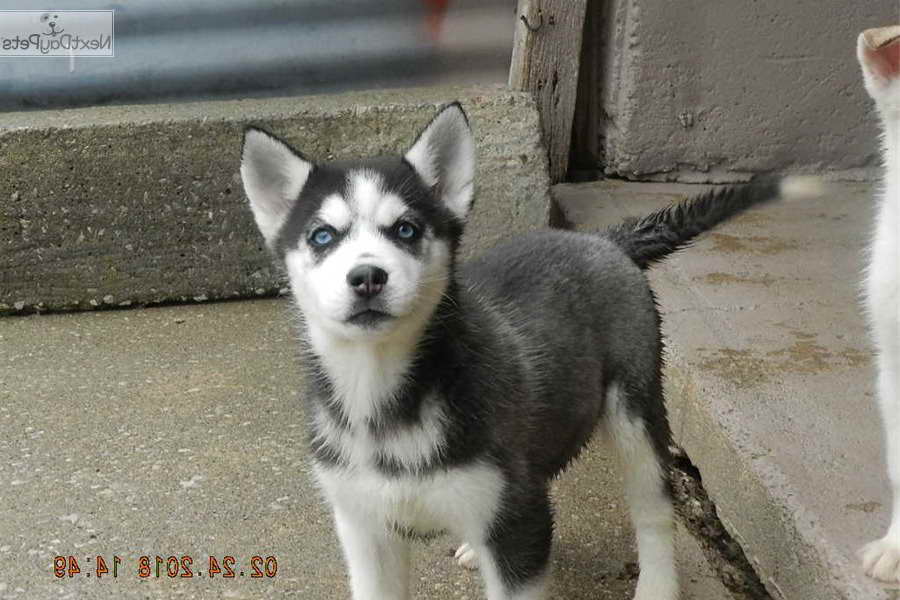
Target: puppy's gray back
[588,319]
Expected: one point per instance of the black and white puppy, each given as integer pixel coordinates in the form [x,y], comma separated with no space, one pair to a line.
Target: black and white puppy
[446,399]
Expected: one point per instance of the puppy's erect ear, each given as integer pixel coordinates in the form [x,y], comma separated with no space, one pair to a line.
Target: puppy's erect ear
[444,157]
[273,175]
[878,51]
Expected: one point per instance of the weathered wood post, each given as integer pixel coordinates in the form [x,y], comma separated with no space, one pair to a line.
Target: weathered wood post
[545,60]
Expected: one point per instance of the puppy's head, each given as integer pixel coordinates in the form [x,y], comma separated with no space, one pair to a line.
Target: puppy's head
[368,245]
[878,52]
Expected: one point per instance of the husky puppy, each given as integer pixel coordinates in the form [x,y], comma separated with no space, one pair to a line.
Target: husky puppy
[878,51]
[445,397]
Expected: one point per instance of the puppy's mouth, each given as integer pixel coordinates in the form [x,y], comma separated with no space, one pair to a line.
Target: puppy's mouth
[369,318]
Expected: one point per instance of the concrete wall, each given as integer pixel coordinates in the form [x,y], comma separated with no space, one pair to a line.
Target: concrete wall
[112,206]
[701,90]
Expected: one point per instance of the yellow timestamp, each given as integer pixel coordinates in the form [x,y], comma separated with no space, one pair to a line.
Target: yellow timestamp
[159,567]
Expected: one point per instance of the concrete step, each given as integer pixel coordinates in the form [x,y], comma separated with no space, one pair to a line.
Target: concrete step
[144,204]
[770,378]
[178,431]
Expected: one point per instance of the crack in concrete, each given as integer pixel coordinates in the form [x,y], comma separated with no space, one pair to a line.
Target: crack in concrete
[699,515]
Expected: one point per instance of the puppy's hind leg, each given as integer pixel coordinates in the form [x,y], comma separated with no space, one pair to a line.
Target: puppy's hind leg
[644,464]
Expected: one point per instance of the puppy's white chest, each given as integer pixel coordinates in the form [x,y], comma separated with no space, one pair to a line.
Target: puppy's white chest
[462,500]
[404,447]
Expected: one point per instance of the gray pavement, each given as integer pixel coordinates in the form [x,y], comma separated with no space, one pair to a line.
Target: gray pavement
[770,379]
[179,432]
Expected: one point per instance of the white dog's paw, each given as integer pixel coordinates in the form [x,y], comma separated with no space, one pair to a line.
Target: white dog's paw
[466,557]
[881,559]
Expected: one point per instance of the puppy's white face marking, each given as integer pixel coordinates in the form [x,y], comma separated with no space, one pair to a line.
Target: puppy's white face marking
[390,211]
[363,221]
[370,203]
[335,212]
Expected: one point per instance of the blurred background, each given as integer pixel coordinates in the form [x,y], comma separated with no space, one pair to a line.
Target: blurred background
[168,50]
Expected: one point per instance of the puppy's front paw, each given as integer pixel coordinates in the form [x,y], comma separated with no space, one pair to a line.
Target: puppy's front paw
[881,559]
[466,557]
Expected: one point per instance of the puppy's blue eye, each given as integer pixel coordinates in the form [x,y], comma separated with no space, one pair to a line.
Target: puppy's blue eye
[322,236]
[406,231]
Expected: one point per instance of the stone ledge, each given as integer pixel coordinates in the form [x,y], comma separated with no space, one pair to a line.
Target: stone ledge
[143,204]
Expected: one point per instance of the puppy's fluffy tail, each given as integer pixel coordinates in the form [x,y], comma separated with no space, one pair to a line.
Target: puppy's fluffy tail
[650,239]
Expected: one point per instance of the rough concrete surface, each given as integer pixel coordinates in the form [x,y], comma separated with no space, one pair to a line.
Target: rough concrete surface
[770,379]
[178,432]
[144,204]
[700,91]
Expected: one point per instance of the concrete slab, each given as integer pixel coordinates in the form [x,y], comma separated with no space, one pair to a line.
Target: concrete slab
[686,93]
[770,379]
[144,204]
[177,432]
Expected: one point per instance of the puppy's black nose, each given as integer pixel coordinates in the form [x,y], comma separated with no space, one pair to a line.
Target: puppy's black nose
[367,280]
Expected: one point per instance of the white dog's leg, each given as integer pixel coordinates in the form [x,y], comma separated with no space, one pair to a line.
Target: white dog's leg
[378,559]
[876,50]
[881,558]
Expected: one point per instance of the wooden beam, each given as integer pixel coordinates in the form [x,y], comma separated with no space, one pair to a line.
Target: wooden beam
[545,60]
